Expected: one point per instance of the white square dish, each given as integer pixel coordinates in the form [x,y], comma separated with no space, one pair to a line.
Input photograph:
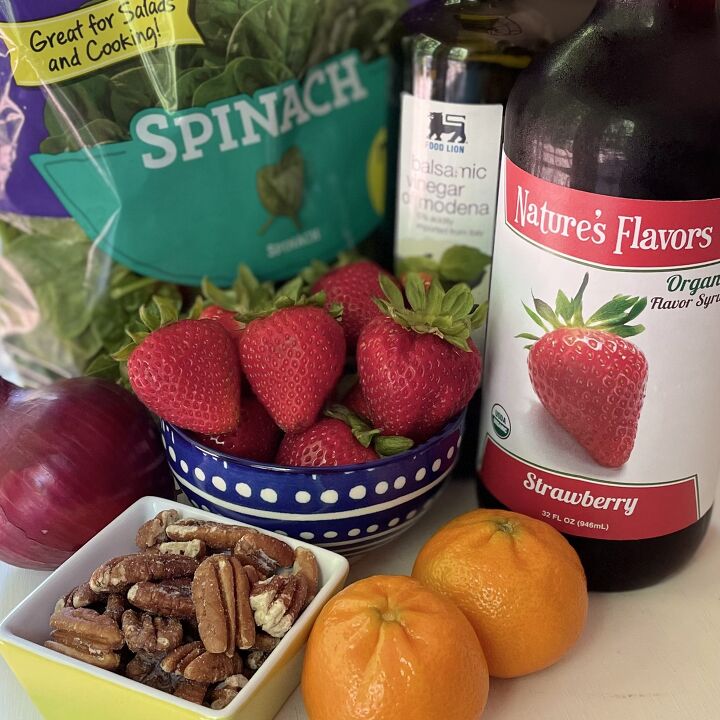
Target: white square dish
[66,689]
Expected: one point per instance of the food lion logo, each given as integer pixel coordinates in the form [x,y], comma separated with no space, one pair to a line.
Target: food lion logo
[445,124]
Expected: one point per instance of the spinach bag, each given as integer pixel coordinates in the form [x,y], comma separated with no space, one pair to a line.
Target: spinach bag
[149,143]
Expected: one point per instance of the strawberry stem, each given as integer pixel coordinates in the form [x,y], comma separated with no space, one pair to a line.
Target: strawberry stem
[384,445]
[450,315]
[612,317]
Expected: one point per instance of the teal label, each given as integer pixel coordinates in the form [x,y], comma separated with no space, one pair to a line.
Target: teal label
[291,174]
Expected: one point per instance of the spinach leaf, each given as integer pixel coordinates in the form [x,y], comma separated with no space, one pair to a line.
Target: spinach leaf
[216,19]
[281,188]
[190,81]
[84,299]
[77,103]
[96,132]
[241,76]
[142,87]
[277,30]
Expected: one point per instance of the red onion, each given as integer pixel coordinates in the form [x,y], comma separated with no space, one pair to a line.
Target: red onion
[73,456]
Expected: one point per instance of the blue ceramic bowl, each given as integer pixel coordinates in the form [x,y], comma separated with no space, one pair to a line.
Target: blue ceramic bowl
[349,509]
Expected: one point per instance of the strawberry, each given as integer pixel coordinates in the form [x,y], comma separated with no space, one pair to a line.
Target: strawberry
[355,401]
[587,375]
[256,437]
[246,295]
[341,438]
[418,367]
[226,318]
[327,442]
[293,355]
[185,371]
[353,286]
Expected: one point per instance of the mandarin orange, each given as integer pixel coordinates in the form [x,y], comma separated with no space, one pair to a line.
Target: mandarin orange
[517,580]
[388,648]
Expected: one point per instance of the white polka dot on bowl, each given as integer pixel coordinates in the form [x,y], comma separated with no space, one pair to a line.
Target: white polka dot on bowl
[302,497]
[243,490]
[329,497]
[358,492]
[399,483]
[420,474]
[205,508]
[306,535]
[436,465]
[394,522]
[171,452]
[280,532]
[354,532]
[373,528]
[381,488]
[268,495]
[330,534]
[450,453]
[164,441]
[219,483]
[411,515]
[200,475]
[184,466]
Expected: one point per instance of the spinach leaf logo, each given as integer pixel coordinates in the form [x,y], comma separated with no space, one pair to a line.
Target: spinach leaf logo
[281,188]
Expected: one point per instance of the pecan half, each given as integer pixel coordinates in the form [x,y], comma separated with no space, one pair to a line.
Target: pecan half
[193,692]
[147,670]
[115,607]
[221,592]
[265,553]
[192,548]
[224,693]
[252,574]
[79,597]
[265,643]
[277,603]
[193,662]
[306,564]
[152,635]
[107,660]
[153,531]
[168,599]
[217,536]
[99,631]
[122,572]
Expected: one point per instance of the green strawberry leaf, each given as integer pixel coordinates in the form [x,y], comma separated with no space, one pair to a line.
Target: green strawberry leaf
[536,318]
[546,313]
[626,331]
[564,307]
[388,445]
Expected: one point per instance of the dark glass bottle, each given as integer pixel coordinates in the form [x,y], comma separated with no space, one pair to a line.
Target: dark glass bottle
[628,106]
[454,63]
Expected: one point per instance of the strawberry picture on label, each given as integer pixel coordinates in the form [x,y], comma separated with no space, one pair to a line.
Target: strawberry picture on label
[587,374]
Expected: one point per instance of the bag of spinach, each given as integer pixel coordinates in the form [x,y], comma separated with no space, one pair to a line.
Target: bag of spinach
[149,143]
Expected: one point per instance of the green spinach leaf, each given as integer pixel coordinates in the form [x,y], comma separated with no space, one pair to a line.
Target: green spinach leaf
[241,76]
[277,30]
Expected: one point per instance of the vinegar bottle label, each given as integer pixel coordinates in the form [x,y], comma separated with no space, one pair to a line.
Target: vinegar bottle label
[447,190]
[600,401]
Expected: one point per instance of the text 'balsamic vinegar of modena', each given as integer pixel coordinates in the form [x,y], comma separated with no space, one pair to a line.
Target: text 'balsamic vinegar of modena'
[454,63]
[601,399]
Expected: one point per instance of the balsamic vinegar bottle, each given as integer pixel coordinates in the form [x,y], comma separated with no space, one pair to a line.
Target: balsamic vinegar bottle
[454,63]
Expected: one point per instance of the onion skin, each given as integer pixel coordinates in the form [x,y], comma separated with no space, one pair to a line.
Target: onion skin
[73,456]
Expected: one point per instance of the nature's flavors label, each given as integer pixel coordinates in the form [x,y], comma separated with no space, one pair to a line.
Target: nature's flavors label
[151,143]
[600,395]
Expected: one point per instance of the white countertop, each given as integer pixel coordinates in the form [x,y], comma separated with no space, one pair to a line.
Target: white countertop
[647,655]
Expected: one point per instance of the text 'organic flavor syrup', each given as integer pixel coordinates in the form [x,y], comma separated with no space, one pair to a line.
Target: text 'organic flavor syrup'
[601,396]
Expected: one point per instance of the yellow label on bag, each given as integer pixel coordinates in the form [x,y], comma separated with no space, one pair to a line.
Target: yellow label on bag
[68,46]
